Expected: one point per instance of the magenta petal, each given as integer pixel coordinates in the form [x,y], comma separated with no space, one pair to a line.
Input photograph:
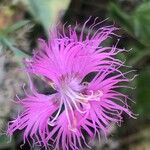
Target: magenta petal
[63,54]
[79,106]
[67,138]
[37,109]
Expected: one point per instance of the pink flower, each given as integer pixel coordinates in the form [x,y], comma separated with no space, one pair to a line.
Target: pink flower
[78,106]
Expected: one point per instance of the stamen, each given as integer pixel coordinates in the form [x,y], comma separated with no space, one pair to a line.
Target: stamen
[51,123]
[75,104]
[67,114]
[73,99]
[85,97]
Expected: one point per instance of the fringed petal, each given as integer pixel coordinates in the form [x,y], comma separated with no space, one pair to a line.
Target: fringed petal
[37,109]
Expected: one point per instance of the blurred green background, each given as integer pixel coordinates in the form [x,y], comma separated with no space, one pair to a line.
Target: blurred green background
[23,21]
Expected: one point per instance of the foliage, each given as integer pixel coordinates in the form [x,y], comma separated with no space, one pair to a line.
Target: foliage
[7,40]
[47,12]
[137,25]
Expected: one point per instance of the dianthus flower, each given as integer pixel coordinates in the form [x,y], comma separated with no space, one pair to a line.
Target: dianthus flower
[79,107]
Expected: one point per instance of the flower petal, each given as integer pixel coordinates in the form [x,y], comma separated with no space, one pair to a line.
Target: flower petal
[63,54]
[33,120]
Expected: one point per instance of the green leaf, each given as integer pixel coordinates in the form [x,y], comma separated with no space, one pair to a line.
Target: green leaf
[17,52]
[47,12]
[7,41]
[137,23]
[16,26]
[143,93]
[5,143]
[141,18]
[121,17]
[137,55]
[143,8]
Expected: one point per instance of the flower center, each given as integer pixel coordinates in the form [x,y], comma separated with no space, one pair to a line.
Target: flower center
[73,97]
